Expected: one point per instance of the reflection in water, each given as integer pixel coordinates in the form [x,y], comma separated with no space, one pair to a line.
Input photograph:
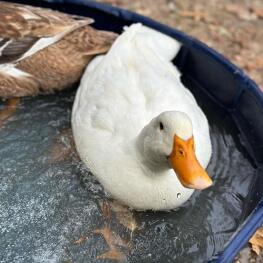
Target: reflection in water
[48,203]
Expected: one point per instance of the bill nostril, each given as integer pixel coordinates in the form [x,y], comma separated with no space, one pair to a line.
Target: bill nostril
[181,152]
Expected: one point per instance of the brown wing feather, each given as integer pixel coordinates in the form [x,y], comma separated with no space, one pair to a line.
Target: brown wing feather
[21,20]
[15,48]
[25,25]
[18,86]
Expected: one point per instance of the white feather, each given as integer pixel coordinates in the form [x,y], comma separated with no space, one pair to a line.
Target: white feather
[28,15]
[11,70]
[4,46]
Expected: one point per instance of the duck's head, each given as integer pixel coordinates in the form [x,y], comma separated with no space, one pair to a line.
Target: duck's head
[167,142]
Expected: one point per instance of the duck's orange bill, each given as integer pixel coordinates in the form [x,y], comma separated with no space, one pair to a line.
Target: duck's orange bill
[185,164]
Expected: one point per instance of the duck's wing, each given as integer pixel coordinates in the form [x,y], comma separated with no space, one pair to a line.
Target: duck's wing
[25,30]
[16,83]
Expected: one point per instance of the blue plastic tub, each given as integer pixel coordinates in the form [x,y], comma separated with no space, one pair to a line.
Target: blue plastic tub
[225,84]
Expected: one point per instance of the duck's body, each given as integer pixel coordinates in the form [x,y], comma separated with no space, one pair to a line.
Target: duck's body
[120,93]
[43,50]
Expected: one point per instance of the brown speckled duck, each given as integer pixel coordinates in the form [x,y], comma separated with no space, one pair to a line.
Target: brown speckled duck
[42,50]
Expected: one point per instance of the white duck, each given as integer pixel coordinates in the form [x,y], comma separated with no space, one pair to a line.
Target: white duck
[133,122]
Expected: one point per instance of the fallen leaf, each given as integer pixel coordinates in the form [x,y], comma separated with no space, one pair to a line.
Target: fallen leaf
[111,238]
[80,240]
[245,256]
[257,241]
[258,11]
[195,14]
[124,215]
[143,11]
[248,64]
[63,147]
[9,110]
[258,63]
[240,11]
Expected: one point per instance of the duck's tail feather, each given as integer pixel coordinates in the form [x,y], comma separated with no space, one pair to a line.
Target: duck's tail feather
[145,37]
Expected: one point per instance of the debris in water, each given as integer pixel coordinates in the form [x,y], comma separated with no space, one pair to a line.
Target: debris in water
[9,110]
[125,216]
[257,241]
[80,240]
[113,241]
[64,148]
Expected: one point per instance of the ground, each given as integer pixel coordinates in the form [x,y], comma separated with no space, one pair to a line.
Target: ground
[232,27]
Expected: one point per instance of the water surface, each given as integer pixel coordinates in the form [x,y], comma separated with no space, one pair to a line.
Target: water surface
[48,199]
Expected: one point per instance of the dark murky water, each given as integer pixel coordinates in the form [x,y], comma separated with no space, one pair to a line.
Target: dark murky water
[46,204]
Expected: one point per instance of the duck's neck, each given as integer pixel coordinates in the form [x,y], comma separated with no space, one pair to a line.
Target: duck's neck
[150,160]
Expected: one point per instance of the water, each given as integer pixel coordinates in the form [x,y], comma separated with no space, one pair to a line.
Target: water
[48,199]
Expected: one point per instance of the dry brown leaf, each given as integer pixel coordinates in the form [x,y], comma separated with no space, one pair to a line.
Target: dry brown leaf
[127,220]
[80,240]
[249,65]
[106,209]
[63,147]
[258,11]
[259,62]
[114,242]
[240,11]
[111,238]
[125,216]
[9,110]
[195,14]
[257,241]
[235,8]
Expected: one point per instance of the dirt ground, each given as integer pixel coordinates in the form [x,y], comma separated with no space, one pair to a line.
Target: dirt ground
[232,27]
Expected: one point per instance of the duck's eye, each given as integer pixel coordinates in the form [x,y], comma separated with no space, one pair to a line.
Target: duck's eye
[161,126]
